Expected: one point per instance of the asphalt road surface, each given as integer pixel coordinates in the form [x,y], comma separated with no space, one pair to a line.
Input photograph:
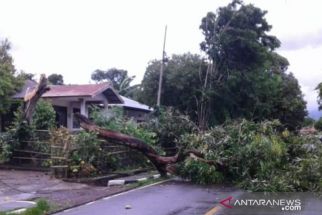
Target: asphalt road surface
[170,198]
[179,198]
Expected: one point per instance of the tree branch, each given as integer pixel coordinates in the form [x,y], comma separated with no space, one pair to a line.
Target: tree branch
[162,163]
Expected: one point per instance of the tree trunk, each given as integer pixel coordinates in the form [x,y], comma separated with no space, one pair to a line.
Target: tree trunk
[31,99]
[162,164]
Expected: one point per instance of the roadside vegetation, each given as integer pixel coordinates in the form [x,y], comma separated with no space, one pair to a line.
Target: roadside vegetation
[238,107]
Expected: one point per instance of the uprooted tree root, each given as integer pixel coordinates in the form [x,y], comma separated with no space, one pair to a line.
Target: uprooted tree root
[163,164]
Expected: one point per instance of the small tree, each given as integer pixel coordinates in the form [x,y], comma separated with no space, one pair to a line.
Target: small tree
[9,84]
[44,116]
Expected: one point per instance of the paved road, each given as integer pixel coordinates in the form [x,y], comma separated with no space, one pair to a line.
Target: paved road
[182,198]
[170,198]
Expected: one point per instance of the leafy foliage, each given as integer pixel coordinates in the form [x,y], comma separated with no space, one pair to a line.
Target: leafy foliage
[242,78]
[88,156]
[56,79]
[118,78]
[20,130]
[9,84]
[44,116]
[168,126]
[5,147]
[182,79]
[260,156]
[319,89]
[200,172]
[113,119]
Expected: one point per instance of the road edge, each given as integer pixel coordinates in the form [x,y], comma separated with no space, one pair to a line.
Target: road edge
[130,189]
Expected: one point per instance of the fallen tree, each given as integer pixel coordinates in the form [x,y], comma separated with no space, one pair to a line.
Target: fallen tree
[163,164]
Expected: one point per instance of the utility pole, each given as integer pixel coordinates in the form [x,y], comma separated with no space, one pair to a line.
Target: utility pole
[162,67]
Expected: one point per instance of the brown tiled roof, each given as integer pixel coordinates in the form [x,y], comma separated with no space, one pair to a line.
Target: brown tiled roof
[89,90]
[84,90]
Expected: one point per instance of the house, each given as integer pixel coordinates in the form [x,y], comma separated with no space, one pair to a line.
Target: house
[134,109]
[70,99]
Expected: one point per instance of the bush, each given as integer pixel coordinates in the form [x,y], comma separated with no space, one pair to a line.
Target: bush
[168,126]
[259,157]
[5,147]
[89,157]
[199,172]
[44,116]
[113,119]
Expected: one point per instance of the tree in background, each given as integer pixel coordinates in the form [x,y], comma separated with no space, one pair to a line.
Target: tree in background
[308,122]
[118,78]
[9,84]
[182,80]
[26,76]
[242,78]
[56,79]
[318,124]
[319,89]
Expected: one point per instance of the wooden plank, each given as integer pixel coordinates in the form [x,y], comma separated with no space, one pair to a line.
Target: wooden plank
[30,158]
[32,152]
[56,146]
[118,152]
[59,158]
[32,141]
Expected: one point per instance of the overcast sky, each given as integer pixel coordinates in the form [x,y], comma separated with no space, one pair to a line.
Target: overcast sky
[75,37]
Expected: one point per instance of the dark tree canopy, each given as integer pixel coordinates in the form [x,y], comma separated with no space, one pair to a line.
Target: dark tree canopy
[242,78]
[118,78]
[26,76]
[56,79]
[236,37]
[183,76]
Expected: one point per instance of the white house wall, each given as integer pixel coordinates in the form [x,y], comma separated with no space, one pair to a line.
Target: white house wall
[76,102]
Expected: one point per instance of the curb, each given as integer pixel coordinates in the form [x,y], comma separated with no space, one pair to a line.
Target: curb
[122,182]
[19,209]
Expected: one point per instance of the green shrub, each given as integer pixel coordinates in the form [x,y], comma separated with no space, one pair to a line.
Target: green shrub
[5,147]
[89,151]
[44,115]
[199,172]
[43,205]
[259,157]
[20,130]
[113,119]
[169,126]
